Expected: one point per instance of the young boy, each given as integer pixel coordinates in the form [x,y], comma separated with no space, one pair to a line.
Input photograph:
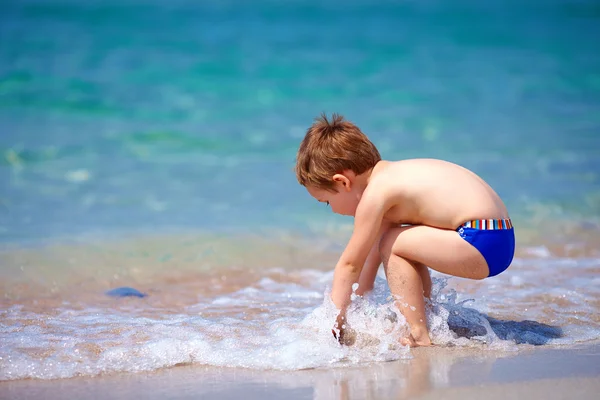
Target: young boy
[409,214]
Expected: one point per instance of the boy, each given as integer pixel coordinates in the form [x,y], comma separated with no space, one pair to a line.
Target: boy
[409,214]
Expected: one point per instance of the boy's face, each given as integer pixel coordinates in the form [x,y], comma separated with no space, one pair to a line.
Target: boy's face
[342,202]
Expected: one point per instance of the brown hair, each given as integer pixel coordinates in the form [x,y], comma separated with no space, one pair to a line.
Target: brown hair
[331,147]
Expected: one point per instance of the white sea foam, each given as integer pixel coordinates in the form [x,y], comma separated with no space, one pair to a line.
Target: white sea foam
[281,326]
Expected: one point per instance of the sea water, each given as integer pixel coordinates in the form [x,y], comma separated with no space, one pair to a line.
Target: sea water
[151,145]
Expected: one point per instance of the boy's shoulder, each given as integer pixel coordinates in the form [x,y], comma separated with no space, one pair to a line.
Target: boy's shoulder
[384,181]
[385,171]
[385,189]
[393,178]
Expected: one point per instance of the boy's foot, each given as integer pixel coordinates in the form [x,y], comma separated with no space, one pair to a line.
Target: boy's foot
[346,336]
[410,341]
[417,338]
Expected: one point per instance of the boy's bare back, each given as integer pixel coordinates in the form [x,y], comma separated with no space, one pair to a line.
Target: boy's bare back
[433,192]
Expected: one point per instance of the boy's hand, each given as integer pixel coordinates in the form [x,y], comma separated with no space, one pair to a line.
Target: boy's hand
[346,336]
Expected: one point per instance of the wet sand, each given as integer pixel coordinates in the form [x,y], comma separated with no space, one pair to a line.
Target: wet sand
[433,373]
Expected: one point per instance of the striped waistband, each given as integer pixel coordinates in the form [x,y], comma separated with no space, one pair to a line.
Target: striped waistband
[488,224]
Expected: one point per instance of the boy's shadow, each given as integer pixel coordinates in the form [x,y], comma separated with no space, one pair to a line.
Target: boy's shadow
[530,332]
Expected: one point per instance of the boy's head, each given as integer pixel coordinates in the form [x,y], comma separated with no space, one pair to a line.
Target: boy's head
[331,147]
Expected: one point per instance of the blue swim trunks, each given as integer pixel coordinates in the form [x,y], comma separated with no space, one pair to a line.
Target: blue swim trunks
[495,240]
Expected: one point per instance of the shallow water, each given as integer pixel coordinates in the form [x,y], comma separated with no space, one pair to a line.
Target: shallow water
[228,309]
[151,145]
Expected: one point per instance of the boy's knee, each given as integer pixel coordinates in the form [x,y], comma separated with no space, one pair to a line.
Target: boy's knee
[386,242]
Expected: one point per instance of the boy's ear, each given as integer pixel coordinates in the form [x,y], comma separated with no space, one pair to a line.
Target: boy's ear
[343,179]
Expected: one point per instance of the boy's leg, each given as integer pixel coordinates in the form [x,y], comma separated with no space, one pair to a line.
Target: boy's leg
[406,251]
[407,285]
[440,249]
[425,278]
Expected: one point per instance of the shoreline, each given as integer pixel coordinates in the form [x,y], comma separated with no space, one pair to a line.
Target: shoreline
[454,373]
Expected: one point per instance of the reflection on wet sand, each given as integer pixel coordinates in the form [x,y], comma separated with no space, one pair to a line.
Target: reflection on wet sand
[430,370]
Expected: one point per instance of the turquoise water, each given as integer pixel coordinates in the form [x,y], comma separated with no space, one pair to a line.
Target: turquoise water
[139,114]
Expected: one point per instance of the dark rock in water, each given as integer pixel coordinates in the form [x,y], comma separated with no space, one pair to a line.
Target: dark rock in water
[530,332]
[125,292]
[465,328]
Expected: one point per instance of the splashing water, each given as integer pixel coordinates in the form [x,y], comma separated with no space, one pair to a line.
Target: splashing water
[280,320]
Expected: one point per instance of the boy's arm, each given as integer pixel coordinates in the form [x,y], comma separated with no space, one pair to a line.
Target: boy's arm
[367,224]
[369,271]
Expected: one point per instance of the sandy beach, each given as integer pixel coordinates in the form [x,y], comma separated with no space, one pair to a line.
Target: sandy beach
[432,373]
